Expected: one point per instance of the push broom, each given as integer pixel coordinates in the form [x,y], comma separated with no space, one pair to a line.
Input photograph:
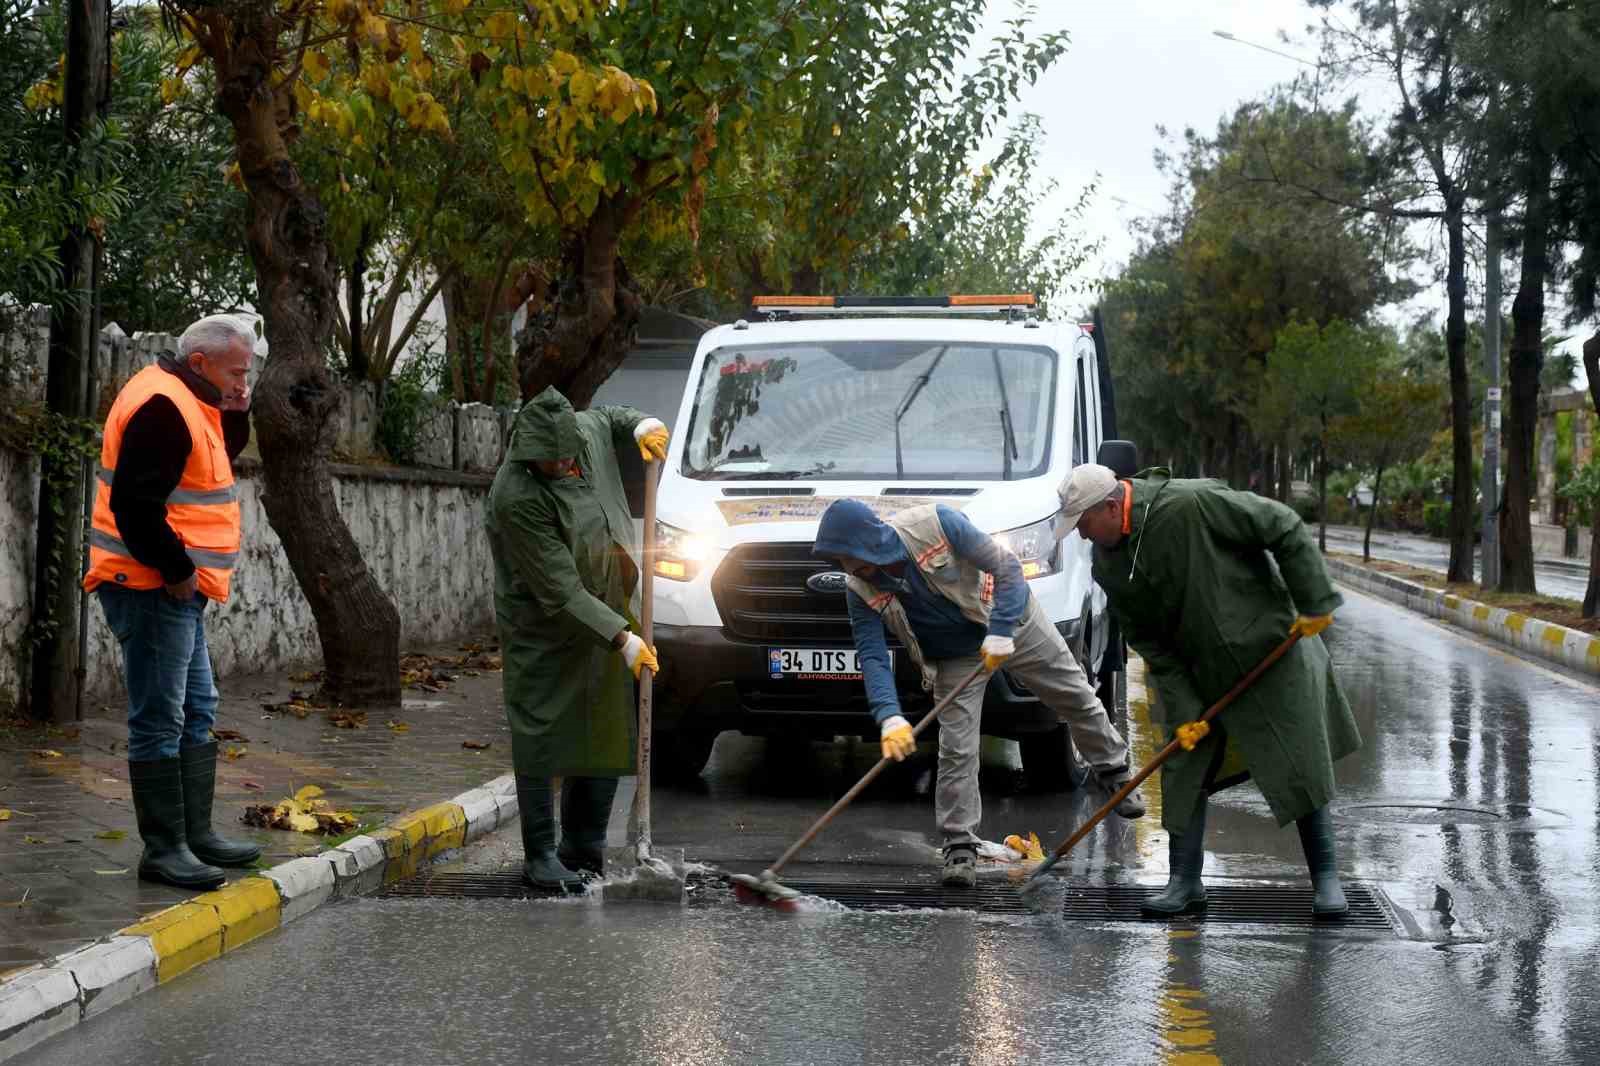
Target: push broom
[1188,735]
[765,888]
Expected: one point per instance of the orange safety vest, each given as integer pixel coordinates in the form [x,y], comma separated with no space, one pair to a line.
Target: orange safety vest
[203,510]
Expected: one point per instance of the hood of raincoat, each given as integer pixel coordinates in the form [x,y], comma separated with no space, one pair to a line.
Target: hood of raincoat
[849,527]
[546,430]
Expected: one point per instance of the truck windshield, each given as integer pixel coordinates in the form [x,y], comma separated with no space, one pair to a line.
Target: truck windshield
[873,410]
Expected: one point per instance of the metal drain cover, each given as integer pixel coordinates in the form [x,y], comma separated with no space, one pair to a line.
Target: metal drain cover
[1425,813]
[1256,904]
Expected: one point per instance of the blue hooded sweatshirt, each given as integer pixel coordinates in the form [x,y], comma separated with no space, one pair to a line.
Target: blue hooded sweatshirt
[849,527]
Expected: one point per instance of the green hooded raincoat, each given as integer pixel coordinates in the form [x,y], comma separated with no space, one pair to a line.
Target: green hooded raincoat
[563,579]
[1194,588]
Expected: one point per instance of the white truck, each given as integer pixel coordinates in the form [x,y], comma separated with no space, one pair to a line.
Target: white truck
[972,402]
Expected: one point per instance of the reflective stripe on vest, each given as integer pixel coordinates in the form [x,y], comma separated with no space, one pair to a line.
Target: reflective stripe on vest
[198,556]
[227,495]
[203,510]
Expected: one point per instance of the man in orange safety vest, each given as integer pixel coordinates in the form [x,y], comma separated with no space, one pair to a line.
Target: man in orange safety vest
[163,545]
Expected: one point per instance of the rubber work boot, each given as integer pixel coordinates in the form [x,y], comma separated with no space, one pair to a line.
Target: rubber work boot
[585,813]
[960,866]
[1186,854]
[540,866]
[158,806]
[1132,805]
[199,785]
[1316,836]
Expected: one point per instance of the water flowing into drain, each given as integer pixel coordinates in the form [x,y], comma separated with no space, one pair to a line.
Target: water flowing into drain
[1255,904]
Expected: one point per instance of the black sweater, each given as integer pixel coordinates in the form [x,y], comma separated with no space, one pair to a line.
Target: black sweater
[155,449]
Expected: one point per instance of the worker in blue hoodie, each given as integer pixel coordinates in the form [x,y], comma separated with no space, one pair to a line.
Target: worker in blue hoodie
[955,599]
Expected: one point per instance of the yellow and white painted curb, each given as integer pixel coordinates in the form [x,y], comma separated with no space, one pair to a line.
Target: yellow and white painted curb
[47,999]
[1554,643]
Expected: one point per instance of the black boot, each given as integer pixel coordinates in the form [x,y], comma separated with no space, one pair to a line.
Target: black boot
[585,812]
[199,785]
[1186,854]
[1316,836]
[540,866]
[158,806]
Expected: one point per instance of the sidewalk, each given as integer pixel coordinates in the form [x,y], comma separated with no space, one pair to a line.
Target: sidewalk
[70,848]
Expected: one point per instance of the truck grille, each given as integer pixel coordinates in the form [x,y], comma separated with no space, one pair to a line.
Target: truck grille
[761,593]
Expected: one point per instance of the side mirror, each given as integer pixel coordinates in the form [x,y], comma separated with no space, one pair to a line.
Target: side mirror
[1121,456]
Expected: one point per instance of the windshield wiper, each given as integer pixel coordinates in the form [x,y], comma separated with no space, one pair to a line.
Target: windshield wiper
[1008,435]
[911,395]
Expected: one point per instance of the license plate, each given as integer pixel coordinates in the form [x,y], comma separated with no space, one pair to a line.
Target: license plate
[816,664]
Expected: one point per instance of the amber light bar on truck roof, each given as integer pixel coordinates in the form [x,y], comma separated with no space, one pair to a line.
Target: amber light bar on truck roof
[986,303]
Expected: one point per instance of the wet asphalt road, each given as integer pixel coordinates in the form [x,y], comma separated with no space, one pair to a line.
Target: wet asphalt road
[1568,580]
[1473,808]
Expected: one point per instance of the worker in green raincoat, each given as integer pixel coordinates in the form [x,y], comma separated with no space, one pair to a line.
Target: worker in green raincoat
[561,536]
[1188,566]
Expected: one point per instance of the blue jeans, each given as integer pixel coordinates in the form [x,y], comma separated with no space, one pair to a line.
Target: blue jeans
[172,697]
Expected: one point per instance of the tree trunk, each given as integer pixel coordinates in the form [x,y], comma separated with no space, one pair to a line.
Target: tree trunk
[587,327]
[1527,359]
[1462,487]
[1372,513]
[56,674]
[1591,370]
[456,343]
[1322,493]
[355,295]
[297,403]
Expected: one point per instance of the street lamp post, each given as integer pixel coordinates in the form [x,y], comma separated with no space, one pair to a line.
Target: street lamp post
[1316,84]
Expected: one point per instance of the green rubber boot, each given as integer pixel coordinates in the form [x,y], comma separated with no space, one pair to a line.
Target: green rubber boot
[1186,855]
[158,805]
[585,813]
[1316,837]
[199,787]
[540,866]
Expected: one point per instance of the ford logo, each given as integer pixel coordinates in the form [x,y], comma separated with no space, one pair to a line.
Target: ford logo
[825,582]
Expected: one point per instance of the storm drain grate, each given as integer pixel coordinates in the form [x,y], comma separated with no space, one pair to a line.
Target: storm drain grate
[1276,905]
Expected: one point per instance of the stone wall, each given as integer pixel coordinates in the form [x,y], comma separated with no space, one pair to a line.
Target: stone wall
[421,533]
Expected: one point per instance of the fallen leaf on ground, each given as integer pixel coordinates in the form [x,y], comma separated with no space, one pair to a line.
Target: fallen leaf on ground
[297,705]
[234,753]
[309,675]
[476,745]
[46,753]
[251,784]
[230,734]
[1030,849]
[34,840]
[111,873]
[110,834]
[348,719]
[399,727]
[5,815]
[304,812]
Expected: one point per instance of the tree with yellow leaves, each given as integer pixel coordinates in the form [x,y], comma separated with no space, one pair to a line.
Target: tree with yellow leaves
[270,60]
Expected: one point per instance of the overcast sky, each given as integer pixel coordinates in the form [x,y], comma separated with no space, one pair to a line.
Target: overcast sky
[1137,64]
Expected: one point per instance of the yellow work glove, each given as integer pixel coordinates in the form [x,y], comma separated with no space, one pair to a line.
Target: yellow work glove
[1309,625]
[1192,733]
[638,656]
[995,651]
[897,739]
[651,435]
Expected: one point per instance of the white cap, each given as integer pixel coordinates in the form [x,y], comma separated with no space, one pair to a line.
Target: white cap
[1087,485]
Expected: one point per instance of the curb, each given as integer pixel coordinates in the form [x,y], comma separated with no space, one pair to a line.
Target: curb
[1571,648]
[51,998]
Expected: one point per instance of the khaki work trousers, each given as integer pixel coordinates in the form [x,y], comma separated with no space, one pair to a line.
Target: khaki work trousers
[1047,666]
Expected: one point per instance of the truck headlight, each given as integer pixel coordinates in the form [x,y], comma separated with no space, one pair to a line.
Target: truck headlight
[1034,546]
[679,553]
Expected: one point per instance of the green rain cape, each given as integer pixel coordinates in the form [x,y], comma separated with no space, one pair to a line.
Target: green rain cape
[1207,582]
[563,577]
